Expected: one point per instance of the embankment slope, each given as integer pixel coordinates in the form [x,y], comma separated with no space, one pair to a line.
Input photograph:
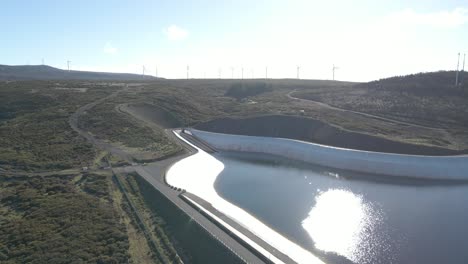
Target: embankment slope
[310,130]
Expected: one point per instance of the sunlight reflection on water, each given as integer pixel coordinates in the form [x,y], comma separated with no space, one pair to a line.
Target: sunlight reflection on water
[343,223]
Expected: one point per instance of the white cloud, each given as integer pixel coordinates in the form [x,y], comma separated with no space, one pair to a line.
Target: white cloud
[109,49]
[174,32]
[453,18]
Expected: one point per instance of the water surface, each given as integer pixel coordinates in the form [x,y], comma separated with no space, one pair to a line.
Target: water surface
[346,217]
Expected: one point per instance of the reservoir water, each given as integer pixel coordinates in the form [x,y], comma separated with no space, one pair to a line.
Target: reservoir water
[345,217]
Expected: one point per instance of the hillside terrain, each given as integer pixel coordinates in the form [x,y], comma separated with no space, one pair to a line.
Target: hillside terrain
[58,138]
[44,72]
[311,130]
[425,98]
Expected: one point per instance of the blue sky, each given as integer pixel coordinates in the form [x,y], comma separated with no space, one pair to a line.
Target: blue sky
[366,39]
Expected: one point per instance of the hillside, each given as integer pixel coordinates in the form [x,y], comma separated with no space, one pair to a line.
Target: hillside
[44,72]
[429,99]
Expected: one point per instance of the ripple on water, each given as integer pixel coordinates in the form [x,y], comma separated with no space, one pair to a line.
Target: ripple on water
[343,223]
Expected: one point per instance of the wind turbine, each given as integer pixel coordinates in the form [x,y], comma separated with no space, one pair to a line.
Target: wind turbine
[333,70]
[232,72]
[266,72]
[68,65]
[188,68]
[143,70]
[463,70]
[298,71]
[456,75]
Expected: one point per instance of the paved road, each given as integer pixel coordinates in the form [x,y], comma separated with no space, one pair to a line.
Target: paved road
[154,174]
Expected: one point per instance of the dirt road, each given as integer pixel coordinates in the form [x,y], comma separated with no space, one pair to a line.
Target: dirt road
[327,106]
[444,133]
[154,174]
[73,122]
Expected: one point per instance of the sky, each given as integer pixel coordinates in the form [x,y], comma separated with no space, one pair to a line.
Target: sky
[365,40]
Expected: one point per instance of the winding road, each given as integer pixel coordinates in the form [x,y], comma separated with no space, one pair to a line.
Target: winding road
[73,122]
[154,174]
[327,106]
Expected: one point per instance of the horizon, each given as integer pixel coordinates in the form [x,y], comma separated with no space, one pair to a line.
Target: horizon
[228,78]
[372,42]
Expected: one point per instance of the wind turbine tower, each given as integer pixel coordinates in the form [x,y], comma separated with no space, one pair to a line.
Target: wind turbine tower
[298,68]
[456,75]
[232,72]
[188,68]
[143,70]
[333,71]
[68,65]
[463,70]
[266,72]
[242,73]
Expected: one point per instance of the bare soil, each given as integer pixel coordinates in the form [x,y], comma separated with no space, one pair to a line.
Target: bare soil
[152,114]
[311,130]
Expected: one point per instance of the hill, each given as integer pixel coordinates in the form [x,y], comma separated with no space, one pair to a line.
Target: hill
[44,72]
[429,99]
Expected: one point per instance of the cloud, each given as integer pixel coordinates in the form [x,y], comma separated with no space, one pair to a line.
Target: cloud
[453,18]
[174,32]
[109,49]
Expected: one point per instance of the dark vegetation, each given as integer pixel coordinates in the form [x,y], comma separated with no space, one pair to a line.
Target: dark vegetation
[34,131]
[54,219]
[144,142]
[154,114]
[163,244]
[425,98]
[44,72]
[203,248]
[49,218]
[242,90]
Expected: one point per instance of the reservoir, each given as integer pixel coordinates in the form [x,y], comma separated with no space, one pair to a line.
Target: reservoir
[346,217]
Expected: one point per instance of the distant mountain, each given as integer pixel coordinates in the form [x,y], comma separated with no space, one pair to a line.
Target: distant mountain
[44,72]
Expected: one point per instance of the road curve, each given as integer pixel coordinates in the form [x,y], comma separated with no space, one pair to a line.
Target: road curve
[324,105]
[154,173]
[73,122]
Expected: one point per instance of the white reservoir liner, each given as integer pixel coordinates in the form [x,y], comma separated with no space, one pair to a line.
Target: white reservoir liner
[415,166]
[197,174]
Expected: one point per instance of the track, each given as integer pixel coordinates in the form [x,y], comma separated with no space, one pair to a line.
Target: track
[444,133]
[154,174]
[327,106]
[73,122]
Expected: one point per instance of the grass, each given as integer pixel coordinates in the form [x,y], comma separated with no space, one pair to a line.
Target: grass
[427,99]
[36,135]
[194,244]
[138,250]
[196,101]
[83,218]
[165,245]
[54,220]
[145,143]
